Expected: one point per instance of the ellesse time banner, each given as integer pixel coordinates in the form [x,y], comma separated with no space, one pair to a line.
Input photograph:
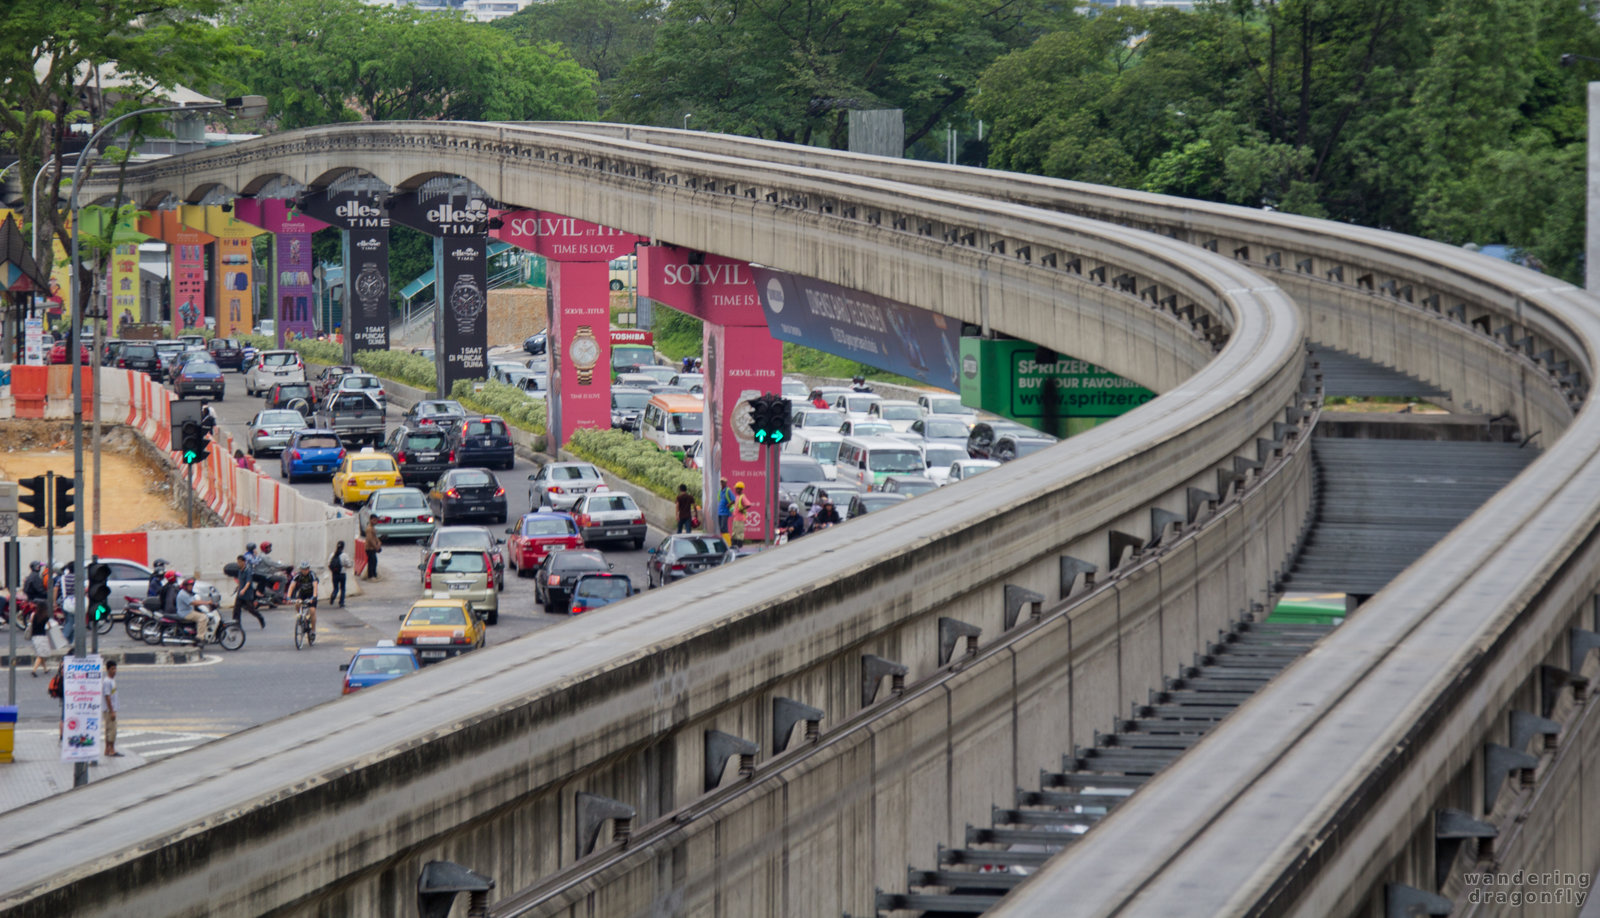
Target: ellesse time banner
[458,219]
[360,213]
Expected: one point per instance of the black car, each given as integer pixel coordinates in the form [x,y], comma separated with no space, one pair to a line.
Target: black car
[984,433]
[292,395]
[461,494]
[678,556]
[423,453]
[139,356]
[1012,446]
[432,412]
[483,442]
[109,351]
[534,344]
[226,353]
[552,581]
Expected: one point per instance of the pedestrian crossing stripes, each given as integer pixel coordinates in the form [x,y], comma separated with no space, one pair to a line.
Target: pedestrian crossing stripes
[156,744]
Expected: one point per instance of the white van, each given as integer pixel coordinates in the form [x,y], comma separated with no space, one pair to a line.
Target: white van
[869,460]
[673,422]
[819,445]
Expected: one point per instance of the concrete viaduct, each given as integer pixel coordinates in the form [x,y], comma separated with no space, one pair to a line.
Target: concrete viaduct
[1078,578]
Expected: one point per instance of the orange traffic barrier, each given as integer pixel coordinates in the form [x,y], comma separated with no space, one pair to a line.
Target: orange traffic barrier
[28,390]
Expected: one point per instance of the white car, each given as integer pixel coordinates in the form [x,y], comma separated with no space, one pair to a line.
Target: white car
[939,458]
[946,405]
[271,368]
[561,484]
[962,469]
[815,418]
[362,382]
[854,405]
[896,413]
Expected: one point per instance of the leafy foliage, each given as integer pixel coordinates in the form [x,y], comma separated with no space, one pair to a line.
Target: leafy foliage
[638,461]
[508,402]
[401,366]
[326,352]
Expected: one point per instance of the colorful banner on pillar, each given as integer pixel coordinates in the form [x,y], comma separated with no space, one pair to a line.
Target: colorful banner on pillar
[360,213]
[457,216]
[579,346]
[123,286]
[896,337]
[741,363]
[293,291]
[233,273]
[709,287]
[186,247]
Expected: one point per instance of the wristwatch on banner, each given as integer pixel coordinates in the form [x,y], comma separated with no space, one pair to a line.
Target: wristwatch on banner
[585,353]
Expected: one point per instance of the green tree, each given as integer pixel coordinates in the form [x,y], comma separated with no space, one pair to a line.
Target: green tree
[601,35]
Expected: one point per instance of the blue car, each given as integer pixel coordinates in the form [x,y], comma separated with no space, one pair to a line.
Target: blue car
[311,452]
[373,665]
[595,590]
[200,376]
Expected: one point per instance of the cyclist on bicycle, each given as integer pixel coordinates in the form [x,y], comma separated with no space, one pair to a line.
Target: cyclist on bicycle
[304,588]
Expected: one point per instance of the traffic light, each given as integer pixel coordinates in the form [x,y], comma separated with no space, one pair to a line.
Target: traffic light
[194,445]
[99,593]
[64,501]
[31,494]
[769,419]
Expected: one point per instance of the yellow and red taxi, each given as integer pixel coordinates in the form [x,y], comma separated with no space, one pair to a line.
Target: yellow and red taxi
[363,473]
[537,535]
[438,629]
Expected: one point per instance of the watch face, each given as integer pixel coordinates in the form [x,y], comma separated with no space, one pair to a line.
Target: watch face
[466,301]
[370,285]
[585,352]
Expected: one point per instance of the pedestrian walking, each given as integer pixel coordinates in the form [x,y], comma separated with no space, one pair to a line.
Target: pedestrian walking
[374,547]
[724,508]
[69,624]
[108,688]
[336,568]
[686,509]
[39,634]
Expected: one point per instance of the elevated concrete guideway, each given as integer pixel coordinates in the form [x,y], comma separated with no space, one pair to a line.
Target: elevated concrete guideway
[481,764]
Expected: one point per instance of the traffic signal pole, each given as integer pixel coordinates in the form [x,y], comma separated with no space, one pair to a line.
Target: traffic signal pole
[191,495]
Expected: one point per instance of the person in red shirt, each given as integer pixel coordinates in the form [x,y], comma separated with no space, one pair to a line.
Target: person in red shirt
[817,401]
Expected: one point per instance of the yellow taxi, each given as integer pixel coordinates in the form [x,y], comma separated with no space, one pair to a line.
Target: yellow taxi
[363,473]
[438,629]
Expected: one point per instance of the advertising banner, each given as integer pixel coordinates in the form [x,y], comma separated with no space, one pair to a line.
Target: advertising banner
[893,336]
[123,284]
[562,238]
[33,341]
[711,288]
[580,347]
[233,273]
[293,292]
[187,249]
[359,211]
[741,363]
[82,733]
[1043,389]
[456,214]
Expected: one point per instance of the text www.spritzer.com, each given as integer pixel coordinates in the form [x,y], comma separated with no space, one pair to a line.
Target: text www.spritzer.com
[1527,887]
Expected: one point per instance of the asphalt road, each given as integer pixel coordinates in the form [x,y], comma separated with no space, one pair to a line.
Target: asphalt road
[176,706]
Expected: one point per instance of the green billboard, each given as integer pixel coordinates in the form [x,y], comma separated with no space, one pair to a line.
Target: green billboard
[1037,387]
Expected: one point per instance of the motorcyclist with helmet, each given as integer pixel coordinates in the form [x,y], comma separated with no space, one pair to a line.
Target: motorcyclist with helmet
[185,606]
[157,577]
[167,599]
[859,384]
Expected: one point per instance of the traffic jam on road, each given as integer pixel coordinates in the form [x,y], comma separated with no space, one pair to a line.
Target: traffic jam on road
[449,482]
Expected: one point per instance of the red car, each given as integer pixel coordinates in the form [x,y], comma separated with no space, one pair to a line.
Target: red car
[536,535]
[58,354]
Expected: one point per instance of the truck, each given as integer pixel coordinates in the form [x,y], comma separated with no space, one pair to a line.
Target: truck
[631,347]
[356,415]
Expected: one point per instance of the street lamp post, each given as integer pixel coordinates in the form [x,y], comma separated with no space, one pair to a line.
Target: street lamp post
[250,106]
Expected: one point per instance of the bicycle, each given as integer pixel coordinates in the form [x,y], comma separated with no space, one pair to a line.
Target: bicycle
[304,634]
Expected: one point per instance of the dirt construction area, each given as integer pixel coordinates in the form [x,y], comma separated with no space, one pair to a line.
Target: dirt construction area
[136,493]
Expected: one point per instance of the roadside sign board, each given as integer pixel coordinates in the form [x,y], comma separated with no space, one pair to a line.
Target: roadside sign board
[82,732]
[1041,388]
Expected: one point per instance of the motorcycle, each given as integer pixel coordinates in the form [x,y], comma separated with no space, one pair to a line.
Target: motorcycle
[139,611]
[166,629]
[271,580]
[22,619]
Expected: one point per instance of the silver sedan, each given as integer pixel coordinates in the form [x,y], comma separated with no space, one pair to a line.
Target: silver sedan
[270,430]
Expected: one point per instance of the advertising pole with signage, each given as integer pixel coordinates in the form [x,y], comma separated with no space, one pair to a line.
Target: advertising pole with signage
[456,214]
[358,210]
[187,248]
[742,361]
[579,323]
[293,293]
[124,285]
[82,733]
[233,274]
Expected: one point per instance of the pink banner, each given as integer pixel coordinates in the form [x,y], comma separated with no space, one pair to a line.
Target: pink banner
[741,362]
[715,289]
[580,346]
[188,250]
[561,238]
[293,290]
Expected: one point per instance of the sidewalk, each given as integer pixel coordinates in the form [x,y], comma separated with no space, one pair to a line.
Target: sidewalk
[37,771]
